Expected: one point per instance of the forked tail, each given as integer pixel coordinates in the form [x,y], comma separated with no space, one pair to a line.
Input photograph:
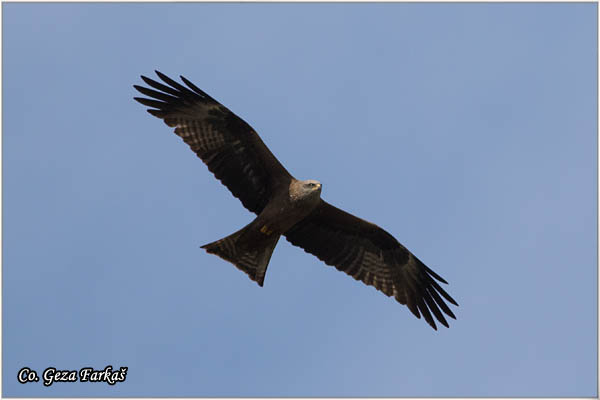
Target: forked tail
[250,256]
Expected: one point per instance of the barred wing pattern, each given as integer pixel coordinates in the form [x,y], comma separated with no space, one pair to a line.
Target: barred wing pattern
[230,148]
[369,254]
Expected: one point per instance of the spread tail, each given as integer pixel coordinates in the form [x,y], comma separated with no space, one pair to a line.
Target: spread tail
[251,257]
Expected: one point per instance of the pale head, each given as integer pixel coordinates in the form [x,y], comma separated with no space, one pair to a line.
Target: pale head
[308,189]
[311,185]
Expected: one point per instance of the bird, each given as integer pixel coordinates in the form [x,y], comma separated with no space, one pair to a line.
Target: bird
[285,206]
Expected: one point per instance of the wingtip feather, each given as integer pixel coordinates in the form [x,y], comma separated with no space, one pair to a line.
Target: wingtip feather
[162,76]
[435,275]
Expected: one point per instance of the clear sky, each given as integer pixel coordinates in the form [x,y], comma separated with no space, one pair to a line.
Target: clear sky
[468,131]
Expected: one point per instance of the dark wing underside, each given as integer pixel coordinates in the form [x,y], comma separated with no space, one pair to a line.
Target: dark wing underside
[368,253]
[230,148]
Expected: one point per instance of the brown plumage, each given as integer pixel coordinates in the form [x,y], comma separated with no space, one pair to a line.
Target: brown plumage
[237,156]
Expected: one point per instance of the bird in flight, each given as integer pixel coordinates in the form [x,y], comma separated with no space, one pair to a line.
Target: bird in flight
[237,156]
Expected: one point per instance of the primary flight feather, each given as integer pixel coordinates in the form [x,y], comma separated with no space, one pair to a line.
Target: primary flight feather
[237,156]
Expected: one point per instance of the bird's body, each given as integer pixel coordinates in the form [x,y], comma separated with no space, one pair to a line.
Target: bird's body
[290,205]
[237,156]
[250,249]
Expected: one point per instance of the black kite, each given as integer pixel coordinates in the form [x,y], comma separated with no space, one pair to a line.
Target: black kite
[237,156]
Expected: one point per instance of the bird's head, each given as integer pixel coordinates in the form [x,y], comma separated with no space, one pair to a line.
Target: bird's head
[311,186]
[305,190]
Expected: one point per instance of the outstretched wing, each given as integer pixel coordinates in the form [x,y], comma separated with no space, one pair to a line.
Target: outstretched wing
[368,253]
[230,148]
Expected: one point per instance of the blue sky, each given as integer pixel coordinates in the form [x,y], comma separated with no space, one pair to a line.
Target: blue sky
[468,131]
